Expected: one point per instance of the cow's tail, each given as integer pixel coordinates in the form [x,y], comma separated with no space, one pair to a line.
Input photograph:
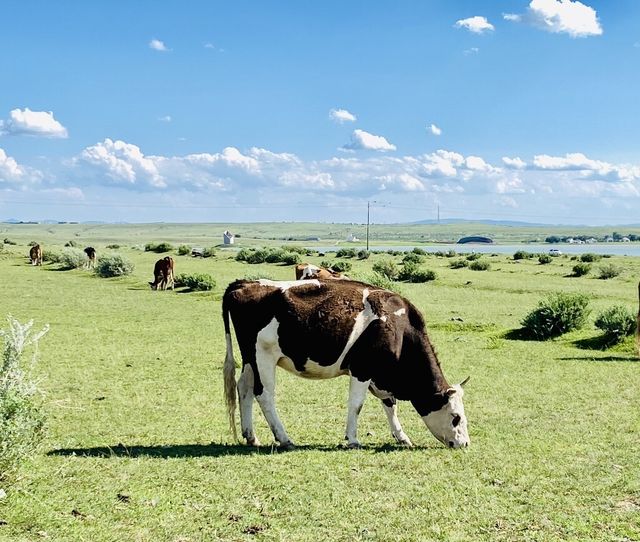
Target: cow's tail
[638,323]
[229,372]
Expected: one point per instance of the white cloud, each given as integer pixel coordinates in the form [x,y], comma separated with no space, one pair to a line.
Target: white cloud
[166,118]
[471,51]
[32,123]
[14,175]
[561,16]
[434,129]
[361,140]
[341,116]
[514,163]
[158,45]
[476,24]
[591,169]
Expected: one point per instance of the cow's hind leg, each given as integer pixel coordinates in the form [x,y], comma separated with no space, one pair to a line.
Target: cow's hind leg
[357,395]
[245,394]
[267,356]
[391,410]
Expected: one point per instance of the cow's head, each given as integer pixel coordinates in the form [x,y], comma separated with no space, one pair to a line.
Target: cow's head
[448,422]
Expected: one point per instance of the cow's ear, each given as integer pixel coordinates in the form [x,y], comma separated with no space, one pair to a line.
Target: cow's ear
[450,392]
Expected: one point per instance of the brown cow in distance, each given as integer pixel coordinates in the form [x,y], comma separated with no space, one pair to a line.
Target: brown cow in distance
[35,255]
[91,254]
[163,276]
[310,271]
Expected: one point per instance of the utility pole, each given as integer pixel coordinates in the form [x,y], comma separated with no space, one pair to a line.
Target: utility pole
[368,204]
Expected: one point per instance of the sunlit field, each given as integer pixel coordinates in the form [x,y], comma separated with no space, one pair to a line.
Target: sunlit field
[138,446]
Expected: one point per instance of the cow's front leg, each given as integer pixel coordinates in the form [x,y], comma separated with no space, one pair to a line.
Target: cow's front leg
[391,410]
[266,363]
[245,394]
[357,395]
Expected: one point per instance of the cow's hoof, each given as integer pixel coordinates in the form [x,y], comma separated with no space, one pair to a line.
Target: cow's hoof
[354,446]
[253,442]
[287,446]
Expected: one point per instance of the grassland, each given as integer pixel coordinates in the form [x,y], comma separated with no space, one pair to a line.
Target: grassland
[138,446]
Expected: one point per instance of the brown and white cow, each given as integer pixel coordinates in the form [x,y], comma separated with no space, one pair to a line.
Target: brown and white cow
[310,271]
[327,328]
[163,274]
[91,255]
[35,255]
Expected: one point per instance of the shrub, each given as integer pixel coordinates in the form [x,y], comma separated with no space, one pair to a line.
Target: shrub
[387,268]
[8,241]
[420,251]
[522,255]
[300,250]
[158,247]
[459,263]
[555,315]
[363,254]
[209,252]
[51,257]
[258,256]
[544,259]
[589,257]
[341,267]
[113,265]
[243,254]
[291,258]
[608,271]
[184,250]
[33,243]
[196,281]
[113,247]
[71,243]
[412,257]
[380,281]
[581,269]
[473,256]
[346,253]
[72,258]
[21,414]
[412,273]
[479,265]
[617,322]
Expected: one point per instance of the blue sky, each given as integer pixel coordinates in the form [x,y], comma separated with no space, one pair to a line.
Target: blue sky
[203,111]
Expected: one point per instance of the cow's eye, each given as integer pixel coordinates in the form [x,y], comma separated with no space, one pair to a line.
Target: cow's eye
[456,420]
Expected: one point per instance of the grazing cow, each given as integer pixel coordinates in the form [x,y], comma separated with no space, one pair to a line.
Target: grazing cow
[35,254]
[310,271]
[91,255]
[326,328]
[638,323]
[163,275]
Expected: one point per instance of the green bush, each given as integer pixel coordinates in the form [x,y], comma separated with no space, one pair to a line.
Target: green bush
[346,253]
[420,251]
[72,258]
[340,266]
[8,241]
[522,255]
[113,247]
[556,314]
[617,322]
[590,257]
[608,271]
[363,254]
[243,254]
[21,414]
[33,243]
[71,243]
[196,281]
[209,252]
[380,281]
[412,257]
[473,256]
[387,268]
[113,265]
[158,247]
[412,273]
[295,248]
[184,250]
[258,256]
[479,265]
[51,256]
[458,264]
[544,259]
[580,269]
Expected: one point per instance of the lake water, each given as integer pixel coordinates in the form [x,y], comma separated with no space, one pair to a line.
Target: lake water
[617,249]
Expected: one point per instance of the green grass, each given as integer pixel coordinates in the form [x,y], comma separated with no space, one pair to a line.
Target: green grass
[138,447]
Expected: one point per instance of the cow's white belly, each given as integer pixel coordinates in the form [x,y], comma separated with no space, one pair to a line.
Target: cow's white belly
[313,369]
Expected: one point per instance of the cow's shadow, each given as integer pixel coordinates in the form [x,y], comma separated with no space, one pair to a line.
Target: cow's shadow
[216,450]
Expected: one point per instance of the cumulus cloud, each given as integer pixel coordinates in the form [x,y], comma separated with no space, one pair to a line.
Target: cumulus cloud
[434,129]
[32,123]
[361,140]
[514,163]
[341,116]
[592,169]
[158,45]
[14,175]
[561,16]
[477,24]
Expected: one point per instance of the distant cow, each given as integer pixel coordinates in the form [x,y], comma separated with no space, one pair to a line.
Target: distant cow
[326,328]
[163,275]
[91,255]
[310,271]
[35,255]
[638,323]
